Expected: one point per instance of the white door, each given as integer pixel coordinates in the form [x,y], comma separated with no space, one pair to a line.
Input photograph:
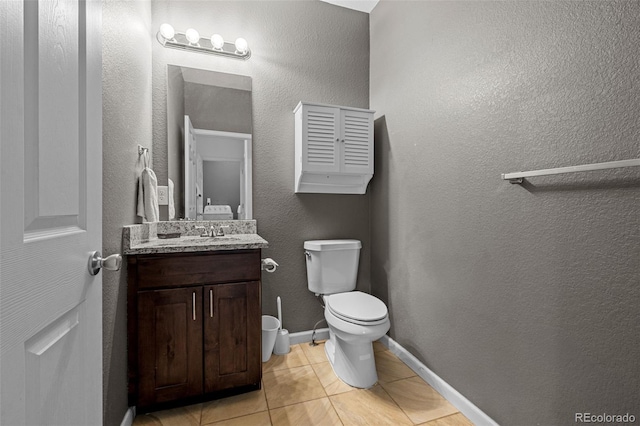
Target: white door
[246,197]
[50,212]
[199,185]
[190,169]
[243,182]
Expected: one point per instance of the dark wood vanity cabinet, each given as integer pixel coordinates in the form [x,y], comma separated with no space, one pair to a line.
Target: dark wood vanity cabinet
[194,325]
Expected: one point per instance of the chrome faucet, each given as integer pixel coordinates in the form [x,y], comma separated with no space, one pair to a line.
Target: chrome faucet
[212,231]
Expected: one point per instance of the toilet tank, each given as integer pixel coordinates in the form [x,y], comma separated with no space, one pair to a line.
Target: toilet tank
[332,265]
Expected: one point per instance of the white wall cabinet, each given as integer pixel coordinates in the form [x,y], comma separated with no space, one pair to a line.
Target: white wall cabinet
[333,149]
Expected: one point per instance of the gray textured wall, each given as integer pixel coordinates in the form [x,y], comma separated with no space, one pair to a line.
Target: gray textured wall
[218,108]
[524,298]
[309,51]
[221,183]
[126,122]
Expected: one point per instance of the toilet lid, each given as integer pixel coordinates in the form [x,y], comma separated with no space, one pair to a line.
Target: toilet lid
[357,306]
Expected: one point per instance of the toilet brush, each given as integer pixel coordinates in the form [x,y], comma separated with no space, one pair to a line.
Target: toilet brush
[283,345]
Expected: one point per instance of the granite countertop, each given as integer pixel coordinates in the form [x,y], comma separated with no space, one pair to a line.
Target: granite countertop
[143,239]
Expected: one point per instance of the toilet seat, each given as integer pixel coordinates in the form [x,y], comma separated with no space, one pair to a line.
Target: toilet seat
[357,308]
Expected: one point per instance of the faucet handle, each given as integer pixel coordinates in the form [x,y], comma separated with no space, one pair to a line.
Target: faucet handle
[203,229]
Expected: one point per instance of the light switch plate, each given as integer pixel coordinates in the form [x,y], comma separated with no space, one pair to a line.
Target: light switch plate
[163,195]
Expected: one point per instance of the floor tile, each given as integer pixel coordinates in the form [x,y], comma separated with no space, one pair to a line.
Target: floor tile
[368,407]
[390,368]
[318,412]
[257,419]
[377,347]
[331,383]
[295,358]
[315,354]
[234,406]
[300,388]
[146,420]
[292,385]
[181,416]
[418,400]
[453,420]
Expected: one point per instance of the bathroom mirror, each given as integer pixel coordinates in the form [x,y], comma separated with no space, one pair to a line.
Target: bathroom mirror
[209,143]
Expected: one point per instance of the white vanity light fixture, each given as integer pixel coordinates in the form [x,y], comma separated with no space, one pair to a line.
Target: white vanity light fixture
[191,40]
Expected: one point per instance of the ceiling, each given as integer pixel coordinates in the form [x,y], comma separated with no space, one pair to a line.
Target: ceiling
[361,5]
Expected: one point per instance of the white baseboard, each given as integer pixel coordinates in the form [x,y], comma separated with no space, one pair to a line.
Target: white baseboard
[305,336]
[129,415]
[466,407]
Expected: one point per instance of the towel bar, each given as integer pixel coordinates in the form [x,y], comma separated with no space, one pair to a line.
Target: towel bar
[518,177]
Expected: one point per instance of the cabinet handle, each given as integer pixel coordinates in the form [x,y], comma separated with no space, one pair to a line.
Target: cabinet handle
[193,304]
[211,302]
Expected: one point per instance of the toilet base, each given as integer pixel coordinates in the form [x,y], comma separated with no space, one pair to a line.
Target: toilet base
[353,362]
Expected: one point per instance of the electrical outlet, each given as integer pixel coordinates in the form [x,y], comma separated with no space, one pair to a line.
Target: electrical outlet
[163,195]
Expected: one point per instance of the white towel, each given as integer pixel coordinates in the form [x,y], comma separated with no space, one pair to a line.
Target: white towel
[148,208]
[172,207]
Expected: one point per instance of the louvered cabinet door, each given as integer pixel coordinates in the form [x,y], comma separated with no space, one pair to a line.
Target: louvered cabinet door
[356,142]
[321,139]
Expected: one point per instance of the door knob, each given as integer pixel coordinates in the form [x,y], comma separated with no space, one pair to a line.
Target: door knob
[111,263]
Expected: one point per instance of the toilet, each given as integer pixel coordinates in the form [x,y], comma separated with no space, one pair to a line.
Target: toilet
[217,212]
[355,318]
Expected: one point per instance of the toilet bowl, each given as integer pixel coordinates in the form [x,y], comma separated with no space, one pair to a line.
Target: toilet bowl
[350,345]
[355,318]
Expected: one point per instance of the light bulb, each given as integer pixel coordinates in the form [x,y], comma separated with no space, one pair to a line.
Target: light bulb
[167,31]
[217,41]
[241,45]
[192,35]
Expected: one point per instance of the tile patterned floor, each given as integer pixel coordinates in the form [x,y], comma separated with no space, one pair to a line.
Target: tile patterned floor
[300,388]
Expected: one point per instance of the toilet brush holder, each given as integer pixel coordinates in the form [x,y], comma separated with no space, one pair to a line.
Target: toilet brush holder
[283,343]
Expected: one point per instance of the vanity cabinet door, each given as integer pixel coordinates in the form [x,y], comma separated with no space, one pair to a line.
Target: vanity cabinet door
[232,335]
[169,344]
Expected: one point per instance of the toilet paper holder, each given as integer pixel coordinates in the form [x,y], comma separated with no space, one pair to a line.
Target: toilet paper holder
[268,264]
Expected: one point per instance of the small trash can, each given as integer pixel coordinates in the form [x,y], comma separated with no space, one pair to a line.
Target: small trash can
[270,326]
